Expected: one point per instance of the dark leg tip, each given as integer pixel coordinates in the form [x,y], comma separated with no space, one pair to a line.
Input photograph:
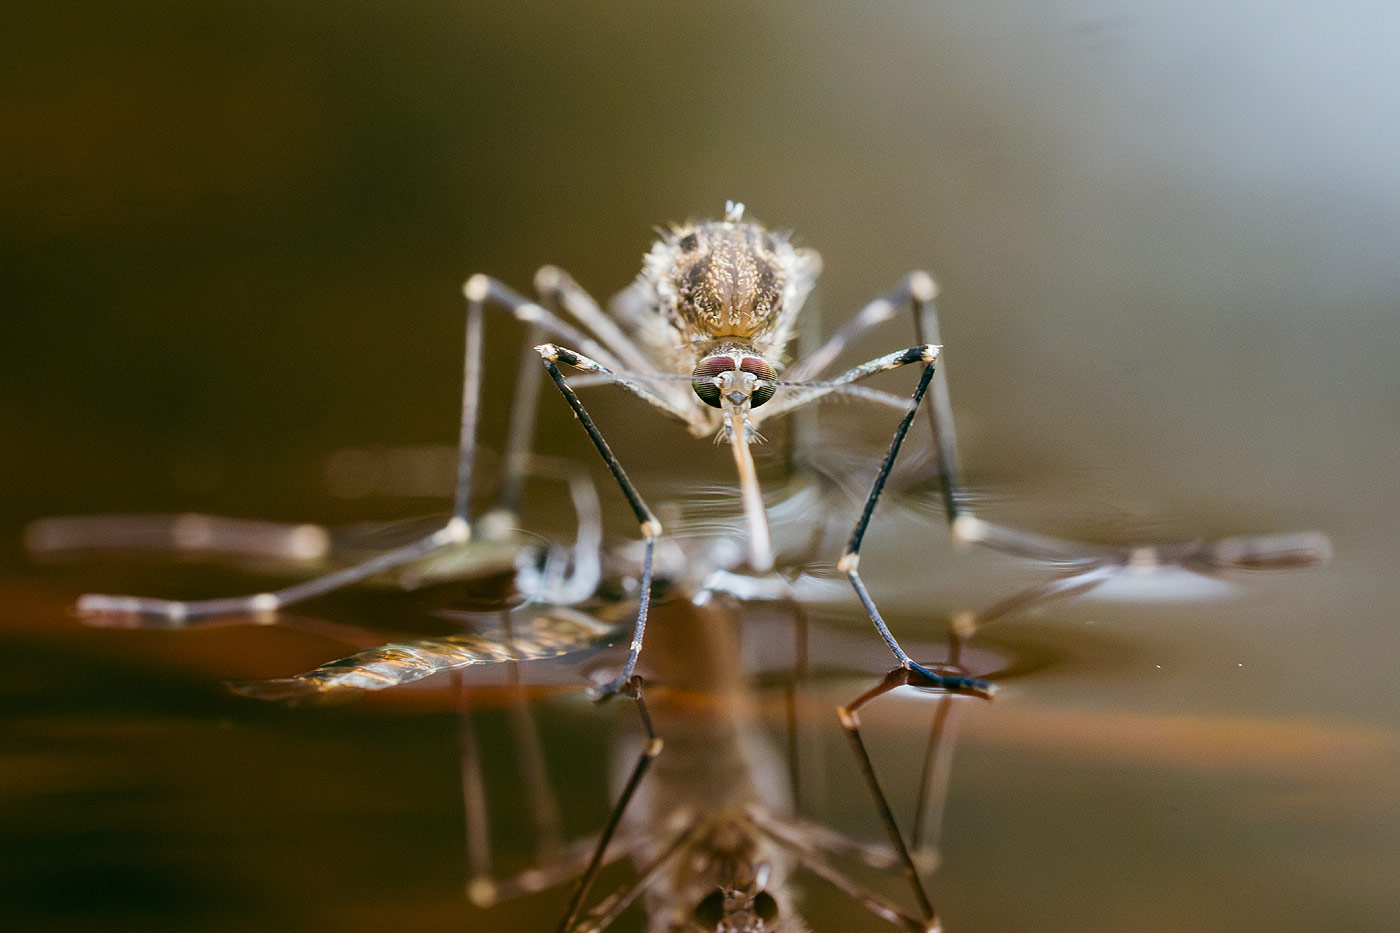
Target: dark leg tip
[957,683]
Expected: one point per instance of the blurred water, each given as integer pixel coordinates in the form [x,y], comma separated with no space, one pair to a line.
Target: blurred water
[232,243]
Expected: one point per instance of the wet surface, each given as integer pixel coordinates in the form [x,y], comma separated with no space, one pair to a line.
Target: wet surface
[234,239]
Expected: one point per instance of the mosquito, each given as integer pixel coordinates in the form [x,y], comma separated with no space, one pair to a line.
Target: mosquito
[702,335]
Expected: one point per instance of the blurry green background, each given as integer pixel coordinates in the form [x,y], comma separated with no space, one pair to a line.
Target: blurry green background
[232,238]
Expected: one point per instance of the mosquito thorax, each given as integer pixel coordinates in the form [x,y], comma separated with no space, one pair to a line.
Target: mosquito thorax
[727,281]
[737,375]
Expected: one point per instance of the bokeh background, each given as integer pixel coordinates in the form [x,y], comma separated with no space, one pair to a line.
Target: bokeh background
[232,238]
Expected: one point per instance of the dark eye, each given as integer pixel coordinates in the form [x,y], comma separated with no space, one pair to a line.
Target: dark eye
[709,912]
[688,242]
[710,367]
[765,907]
[760,368]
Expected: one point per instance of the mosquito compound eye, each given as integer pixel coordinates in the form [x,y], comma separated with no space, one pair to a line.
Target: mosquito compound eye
[760,368]
[710,911]
[709,368]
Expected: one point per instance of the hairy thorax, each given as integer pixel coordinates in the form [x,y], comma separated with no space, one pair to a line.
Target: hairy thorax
[728,283]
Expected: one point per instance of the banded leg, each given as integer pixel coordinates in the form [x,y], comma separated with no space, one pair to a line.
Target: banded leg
[851,559]
[650,527]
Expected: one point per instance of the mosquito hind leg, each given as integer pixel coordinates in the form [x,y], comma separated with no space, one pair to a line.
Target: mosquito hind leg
[456,531]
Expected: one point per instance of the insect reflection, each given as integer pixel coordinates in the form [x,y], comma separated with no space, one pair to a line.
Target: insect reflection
[704,806]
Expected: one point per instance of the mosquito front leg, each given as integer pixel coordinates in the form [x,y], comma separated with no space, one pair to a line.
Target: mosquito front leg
[851,559]
[797,393]
[650,527]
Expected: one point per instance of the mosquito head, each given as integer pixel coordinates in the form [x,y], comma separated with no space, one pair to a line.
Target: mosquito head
[735,377]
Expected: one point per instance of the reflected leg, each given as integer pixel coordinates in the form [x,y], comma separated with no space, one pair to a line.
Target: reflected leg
[850,724]
[652,748]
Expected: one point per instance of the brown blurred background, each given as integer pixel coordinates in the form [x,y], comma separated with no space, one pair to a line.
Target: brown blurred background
[232,238]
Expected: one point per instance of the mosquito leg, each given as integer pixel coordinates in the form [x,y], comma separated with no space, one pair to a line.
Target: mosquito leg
[922,293]
[552,584]
[646,383]
[850,724]
[918,294]
[650,527]
[811,845]
[916,284]
[544,805]
[851,559]
[790,685]
[915,294]
[190,533]
[933,779]
[557,284]
[1064,587]
[471,407]
[558,289]
[455,531]
[803,430]
[521,433]
[478,291]
[633,688]
[797,393]
[602,915]
[481,884]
